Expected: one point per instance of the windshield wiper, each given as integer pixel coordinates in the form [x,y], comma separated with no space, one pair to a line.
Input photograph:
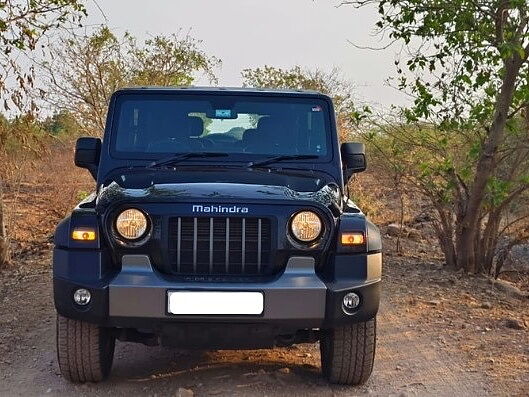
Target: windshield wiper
[281,158]
[183,156]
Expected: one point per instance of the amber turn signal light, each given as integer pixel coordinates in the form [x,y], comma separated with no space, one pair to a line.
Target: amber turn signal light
[84,234]
[353,238]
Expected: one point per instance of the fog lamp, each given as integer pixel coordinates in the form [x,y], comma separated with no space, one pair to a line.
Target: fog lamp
[83,234]
[82,297]
[350,302]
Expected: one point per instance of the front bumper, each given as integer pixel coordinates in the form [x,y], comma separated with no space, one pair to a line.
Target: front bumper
[136,297]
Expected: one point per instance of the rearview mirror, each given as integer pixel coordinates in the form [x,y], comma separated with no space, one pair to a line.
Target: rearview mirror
[353,158]
[87,154]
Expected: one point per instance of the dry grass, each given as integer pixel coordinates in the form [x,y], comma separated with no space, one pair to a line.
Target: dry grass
[378,196]
[38,192]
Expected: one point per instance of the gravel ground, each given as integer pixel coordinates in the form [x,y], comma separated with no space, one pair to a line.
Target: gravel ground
[426,346]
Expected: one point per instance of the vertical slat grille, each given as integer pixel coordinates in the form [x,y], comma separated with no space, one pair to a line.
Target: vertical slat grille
[220,246]
[178,242]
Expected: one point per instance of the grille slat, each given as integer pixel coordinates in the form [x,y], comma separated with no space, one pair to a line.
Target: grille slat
[195,243]
[243,245]
[178,243]
[259,247]
[220,246]
[227,245]
[211,240]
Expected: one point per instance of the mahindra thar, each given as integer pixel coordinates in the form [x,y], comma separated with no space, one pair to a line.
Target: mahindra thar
[220,220]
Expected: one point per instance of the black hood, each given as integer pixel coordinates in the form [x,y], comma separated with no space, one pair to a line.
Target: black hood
[302,180]
[328,196]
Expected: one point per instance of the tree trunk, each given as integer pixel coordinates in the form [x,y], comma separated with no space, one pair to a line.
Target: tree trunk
[489,241]
[465,242]
[445,235]
[468,228]
[401,222]
[4,241]
[447,246]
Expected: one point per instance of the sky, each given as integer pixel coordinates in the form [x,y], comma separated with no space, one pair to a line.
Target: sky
[281,33]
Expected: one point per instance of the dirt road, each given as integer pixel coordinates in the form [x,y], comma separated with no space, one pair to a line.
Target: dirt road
[426,347]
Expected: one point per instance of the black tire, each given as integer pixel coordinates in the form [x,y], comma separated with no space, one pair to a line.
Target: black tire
[348,353]
[85,351]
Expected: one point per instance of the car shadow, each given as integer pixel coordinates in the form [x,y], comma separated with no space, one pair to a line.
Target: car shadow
[146,365]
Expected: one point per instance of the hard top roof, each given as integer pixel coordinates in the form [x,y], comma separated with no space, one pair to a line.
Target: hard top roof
[223,90]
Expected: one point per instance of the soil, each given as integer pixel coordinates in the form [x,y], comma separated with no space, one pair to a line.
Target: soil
[439,333]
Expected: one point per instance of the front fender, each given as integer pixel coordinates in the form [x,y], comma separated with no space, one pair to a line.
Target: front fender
[358,223]
[80,218]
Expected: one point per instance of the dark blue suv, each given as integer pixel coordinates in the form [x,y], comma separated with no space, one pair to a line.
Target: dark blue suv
[219,220]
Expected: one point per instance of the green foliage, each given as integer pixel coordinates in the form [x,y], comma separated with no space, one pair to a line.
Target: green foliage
[85,71]
[462,142]
[169,60]
[497,191]
[61,124]
[441,164]
[21,134]
[458,51]
[29,135]
[81,195]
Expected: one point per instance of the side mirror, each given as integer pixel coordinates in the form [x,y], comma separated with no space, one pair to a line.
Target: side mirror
[87,154]
[353,158]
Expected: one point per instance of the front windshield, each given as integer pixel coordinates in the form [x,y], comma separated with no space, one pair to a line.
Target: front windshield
[155,125]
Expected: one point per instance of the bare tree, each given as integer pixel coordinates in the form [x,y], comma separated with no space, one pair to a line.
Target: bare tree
[23,24]
[4,241]
[84,71]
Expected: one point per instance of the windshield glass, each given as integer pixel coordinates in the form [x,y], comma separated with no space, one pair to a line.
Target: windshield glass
[155,125]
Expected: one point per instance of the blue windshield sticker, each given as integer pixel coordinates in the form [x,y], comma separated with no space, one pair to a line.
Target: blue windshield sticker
[223,113]
[316,109]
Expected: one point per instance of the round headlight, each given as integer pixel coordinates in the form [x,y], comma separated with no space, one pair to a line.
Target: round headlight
[131,224]
[306,226]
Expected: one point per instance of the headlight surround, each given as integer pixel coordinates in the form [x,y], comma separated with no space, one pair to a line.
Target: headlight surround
[131,224]
[306,226]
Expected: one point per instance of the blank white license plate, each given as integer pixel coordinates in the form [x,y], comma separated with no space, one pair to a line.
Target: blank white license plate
[215,302]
